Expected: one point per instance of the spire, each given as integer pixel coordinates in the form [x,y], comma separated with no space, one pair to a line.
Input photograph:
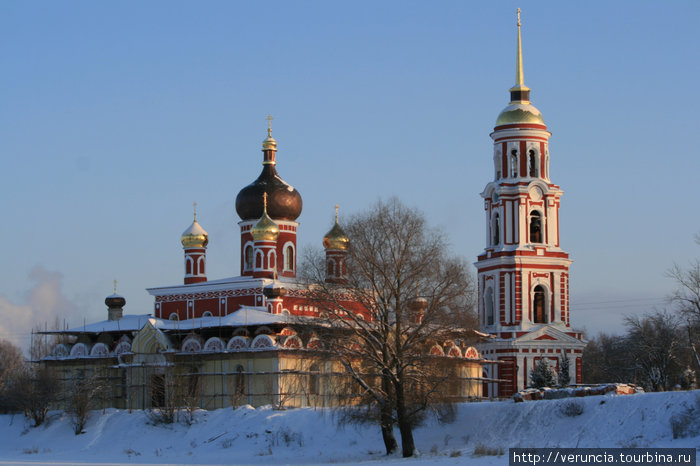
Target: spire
[520,92]
[269,145]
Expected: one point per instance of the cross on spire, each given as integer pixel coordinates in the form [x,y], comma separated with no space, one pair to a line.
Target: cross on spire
[336,213]
[115,286]
[269,124]
[194,204]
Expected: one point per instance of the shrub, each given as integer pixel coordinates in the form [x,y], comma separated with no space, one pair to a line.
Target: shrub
[571,408]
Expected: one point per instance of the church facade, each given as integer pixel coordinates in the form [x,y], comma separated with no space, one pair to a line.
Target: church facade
[523,273]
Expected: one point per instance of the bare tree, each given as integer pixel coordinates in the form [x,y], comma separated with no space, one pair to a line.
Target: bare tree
[655,342]
[606,359]
[34,391]
[12,364]
[405,292]
[81,396]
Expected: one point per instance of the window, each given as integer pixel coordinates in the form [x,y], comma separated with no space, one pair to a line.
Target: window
[207,314]
[488,306]
[535,227]
[200,266]
[538,305]
[514,163]
[272,260]
[497,161]
[314,382]
[496,230]
[188,266]
[289,257]
[174,316]
[533,164]
[248,258]
[330,269]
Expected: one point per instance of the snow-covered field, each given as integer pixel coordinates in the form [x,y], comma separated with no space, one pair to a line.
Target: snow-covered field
[308,436]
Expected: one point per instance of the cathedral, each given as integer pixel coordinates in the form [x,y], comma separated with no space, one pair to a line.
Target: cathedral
[255,338]
[523,274]
[250,339]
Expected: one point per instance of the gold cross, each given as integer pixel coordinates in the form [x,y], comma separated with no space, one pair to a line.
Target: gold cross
[518,17]
[194,204]
[336,213]
[115,286]
[269,122]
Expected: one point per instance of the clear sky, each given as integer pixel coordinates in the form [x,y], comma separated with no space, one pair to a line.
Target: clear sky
[116,116]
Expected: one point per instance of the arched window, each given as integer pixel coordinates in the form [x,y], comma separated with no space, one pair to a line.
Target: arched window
[538,305]
[248,265]
[258,260]
[207,314]
[535,227]
[330,268]
[488,306]
[514,163]
[200,266]
[314,382]
[174,316]
[188,265]
[496,230]
[497,162]
[272,259]
[533,164]
[288,257]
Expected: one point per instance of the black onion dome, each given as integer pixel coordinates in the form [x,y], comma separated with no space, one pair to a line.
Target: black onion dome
[115,300]
[283,201]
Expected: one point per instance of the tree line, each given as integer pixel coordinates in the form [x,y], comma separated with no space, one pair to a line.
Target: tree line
[658,350]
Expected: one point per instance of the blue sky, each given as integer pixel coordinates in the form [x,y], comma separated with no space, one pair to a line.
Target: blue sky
[116,116]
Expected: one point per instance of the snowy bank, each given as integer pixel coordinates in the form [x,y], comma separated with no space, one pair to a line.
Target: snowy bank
[308,436]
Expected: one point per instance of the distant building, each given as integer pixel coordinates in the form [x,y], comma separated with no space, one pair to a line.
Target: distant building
[523,274]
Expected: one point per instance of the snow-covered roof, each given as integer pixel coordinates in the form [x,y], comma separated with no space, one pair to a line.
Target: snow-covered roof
[242,317]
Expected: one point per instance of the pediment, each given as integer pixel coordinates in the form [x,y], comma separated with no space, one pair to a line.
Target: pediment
[549,333]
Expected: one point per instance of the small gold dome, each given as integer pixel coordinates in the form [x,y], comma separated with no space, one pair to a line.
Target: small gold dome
[194,236]
[336,237]
[269,143]
[266,229]
[520,113]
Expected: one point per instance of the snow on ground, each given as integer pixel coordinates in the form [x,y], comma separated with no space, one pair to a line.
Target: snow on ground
[311,436]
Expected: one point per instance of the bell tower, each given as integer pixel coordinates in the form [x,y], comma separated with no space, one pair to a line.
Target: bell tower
[523,274]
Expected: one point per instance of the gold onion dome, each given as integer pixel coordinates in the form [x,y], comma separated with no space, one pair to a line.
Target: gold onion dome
[336,237]
[195,236]
[520,110]
[266,229]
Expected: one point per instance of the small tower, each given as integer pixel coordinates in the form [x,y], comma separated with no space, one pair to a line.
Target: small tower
[194,242]
[283,206]
[265,234]
[336,245]
[115,303]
